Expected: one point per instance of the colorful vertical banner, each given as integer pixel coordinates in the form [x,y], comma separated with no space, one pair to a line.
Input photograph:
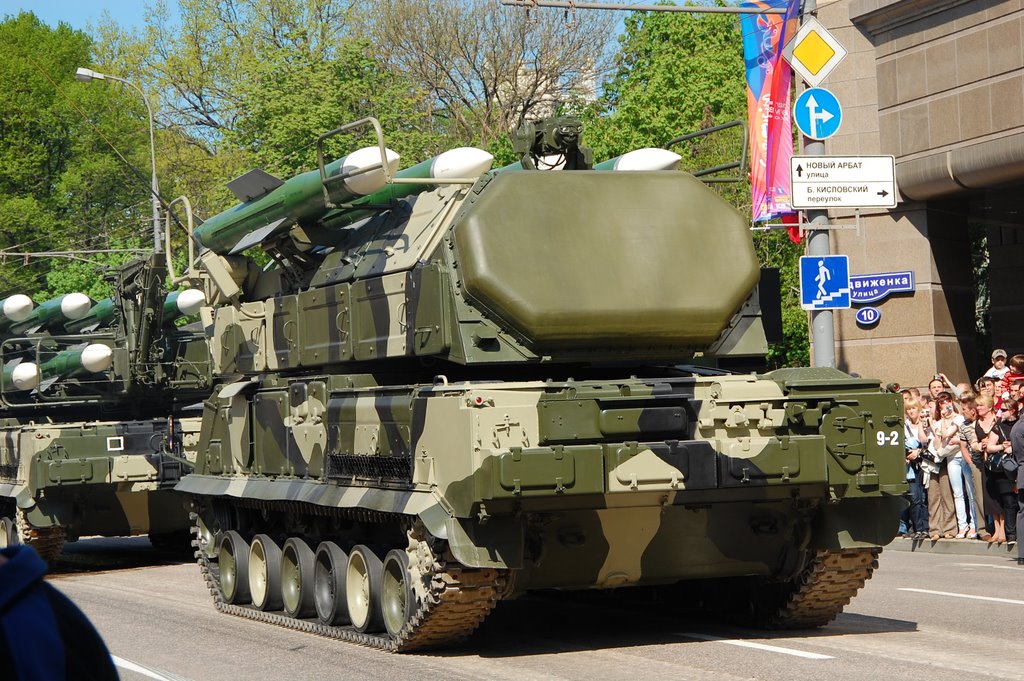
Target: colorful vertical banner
[768,105]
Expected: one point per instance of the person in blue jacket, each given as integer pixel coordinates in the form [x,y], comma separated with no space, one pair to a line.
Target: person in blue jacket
[43,635]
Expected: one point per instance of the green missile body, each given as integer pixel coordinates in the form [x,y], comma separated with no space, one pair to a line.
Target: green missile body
[90,359]
[177,304]
[459,162]
[52,313]
[271,206]
[183,304]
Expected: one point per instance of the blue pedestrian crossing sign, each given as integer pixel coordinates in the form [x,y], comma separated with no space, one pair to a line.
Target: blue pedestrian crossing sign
[818,114]
[824,282]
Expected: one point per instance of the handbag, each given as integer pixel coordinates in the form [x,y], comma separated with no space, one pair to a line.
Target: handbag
[1010,465]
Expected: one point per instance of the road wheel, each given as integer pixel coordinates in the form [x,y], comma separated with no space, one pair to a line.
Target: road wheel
[362,589]
[331,566]
[396,595]
[265,573]
[297,579]
[233,560]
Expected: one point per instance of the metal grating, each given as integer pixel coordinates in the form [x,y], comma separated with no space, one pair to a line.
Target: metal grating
[372,467]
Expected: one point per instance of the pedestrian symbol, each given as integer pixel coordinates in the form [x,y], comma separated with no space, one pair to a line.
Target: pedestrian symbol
[824,282]
[818,113]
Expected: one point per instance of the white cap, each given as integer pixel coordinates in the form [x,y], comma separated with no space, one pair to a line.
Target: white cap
[461,162]
[25,376]
[648,159]
[18,307]
[367,183]
[97,357]
[75,306]
[190,300]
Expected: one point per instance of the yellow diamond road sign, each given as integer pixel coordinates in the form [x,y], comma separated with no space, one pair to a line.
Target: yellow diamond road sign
[813,52]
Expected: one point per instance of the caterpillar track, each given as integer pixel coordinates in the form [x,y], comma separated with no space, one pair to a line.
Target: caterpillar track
[457,601]
[47,541]
[823,588]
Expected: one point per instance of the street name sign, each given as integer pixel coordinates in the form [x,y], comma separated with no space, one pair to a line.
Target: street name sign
[813,52]
[824,282]
[871,288]
[843,181]
[818,113]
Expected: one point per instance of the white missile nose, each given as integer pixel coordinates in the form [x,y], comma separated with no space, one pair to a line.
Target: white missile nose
[18,307]
[190,300]
[97,357]
[649,159]
[75,306]
[368,183]
[461,162]
[25,376]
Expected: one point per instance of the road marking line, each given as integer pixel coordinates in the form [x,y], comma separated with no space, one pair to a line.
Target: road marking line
[975,598]
[757,646]
[986,565]
[139,669]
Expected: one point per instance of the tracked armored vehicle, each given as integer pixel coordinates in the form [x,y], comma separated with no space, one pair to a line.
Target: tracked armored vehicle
[94,426]
[444,394]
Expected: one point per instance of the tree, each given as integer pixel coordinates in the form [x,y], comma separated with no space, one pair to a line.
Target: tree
[62,183]
[489,68]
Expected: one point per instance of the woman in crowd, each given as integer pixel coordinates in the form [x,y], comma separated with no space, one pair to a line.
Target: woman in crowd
[917,438]
[970,449]
[942,520]
[958,467]
[998,484]
[941,516]
[986,425]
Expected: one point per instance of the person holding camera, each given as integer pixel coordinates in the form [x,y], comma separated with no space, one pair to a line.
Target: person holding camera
[917,436]
[944,443]
[1000,499]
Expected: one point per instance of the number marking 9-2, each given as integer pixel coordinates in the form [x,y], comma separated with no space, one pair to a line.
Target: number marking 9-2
[890,438]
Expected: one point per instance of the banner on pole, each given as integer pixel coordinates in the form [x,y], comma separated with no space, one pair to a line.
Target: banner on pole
[768,105]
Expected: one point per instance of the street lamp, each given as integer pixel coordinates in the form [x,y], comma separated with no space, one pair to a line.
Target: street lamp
[85,75]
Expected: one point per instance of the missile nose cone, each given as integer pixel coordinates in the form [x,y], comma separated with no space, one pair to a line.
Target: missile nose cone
[25,376]
[75,306]
[461,162]
[648,159]
[97,357]
[367,183]
[18,307]
[190,300]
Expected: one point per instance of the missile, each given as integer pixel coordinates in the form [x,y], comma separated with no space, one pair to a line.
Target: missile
[57,311]
[183,303]
[100,314]
[176,304]
[93,358]
[649,158]
[15,308]
[21,376]
[271,206]
[642,159]
[458,162]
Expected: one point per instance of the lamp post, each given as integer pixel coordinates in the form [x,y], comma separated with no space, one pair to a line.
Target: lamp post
[86,75]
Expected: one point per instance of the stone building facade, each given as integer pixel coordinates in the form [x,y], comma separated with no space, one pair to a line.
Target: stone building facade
[939,84]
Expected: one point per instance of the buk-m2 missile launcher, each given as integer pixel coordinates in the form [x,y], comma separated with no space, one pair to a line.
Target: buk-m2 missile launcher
[94,423]
[441,399]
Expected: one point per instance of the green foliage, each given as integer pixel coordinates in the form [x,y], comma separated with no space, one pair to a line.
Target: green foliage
[61,185]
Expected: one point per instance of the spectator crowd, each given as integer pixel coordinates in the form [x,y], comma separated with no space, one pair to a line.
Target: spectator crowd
[965,456]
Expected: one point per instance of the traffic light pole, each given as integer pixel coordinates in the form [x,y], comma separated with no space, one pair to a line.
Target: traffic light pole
[823,339]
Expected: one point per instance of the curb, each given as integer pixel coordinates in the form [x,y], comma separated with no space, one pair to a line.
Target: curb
[960,547]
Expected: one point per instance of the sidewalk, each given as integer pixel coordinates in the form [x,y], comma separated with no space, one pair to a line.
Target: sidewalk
[962,547]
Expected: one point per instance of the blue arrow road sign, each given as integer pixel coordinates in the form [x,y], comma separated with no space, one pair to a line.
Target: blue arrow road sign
[818,113]
[824,282]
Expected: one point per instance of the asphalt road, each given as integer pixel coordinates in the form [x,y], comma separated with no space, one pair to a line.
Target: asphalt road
[922,616]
